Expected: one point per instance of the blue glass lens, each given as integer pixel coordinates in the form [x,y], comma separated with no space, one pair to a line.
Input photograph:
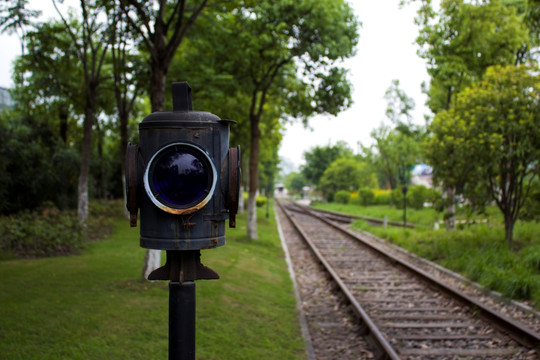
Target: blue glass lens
[181,176]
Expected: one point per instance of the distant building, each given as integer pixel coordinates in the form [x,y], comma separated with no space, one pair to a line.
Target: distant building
[422,175]
[5,98]
[280,191]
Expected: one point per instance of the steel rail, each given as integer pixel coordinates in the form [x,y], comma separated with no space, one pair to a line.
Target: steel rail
[371,331]
[514,329]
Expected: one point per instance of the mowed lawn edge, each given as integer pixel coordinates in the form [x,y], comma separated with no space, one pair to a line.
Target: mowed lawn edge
[96,306]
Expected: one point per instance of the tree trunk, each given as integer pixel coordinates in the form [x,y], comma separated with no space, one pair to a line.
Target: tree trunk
[241,206]
[509,229]
[152,258]
[124,117]
[158,75]
[102,188]
[253,178]
[82,201]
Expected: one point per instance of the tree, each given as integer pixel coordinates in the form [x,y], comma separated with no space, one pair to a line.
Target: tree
[396,150]
[162,26]
[89,44]
[127,68]
[35,165]
[346,174]
[460,45]
[399,107]
[15,17]
[491,138]
[46,77]
[319,158]
[295,182]
[394,154]
[463,42]
[65,60]
[269,44]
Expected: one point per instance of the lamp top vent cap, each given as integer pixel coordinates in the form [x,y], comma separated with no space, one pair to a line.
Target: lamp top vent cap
[181,93]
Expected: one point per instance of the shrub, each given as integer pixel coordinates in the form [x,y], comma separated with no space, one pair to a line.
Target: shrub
[417,196]
[396,198]
[261,201]
[531,257]
[531,207]
[43,232]
[366,196]
[102,214]
[342,197]
[382,198]
[35,168]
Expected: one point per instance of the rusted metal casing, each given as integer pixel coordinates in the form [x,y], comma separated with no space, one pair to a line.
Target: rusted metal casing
[200,224]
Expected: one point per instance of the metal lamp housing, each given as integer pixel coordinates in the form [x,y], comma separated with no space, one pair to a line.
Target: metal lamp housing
[182,181]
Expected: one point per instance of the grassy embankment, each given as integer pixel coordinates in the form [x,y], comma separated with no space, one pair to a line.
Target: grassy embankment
[95,306]
[479,252]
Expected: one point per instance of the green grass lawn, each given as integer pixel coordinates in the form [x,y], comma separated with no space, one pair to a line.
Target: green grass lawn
[95,306]
[479,252]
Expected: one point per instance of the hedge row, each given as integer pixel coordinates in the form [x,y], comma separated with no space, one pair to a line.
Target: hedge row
[417,196]
[47,231]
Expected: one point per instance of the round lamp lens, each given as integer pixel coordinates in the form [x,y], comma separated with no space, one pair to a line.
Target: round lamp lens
[181,176]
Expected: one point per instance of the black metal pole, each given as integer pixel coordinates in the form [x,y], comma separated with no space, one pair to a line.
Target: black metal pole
[404,190]
[405,210]
[182,320]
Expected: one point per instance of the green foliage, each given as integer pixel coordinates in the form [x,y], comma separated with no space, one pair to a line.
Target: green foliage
[295,182]
[416,196]
[99,294]
[101,221]
[261,201]
[14,17]
[383,198]
[479,253]
[342,197]
[40,233]
[346,174]
[396,198]
[281,59]
[531,257]
[35,166]
[399,107]
[424,218]
[395,152]
[366,196]
[319,158]
[463,41]
[490,141]
[396,149]
[47,231]
[531,207]
[419,194]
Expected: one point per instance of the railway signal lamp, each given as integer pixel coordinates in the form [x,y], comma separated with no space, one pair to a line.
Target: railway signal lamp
[183,177]
[185,180]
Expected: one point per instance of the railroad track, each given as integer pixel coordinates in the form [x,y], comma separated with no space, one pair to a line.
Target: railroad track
[404,312]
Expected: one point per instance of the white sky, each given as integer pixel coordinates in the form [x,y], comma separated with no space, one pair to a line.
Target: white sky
[386,51]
